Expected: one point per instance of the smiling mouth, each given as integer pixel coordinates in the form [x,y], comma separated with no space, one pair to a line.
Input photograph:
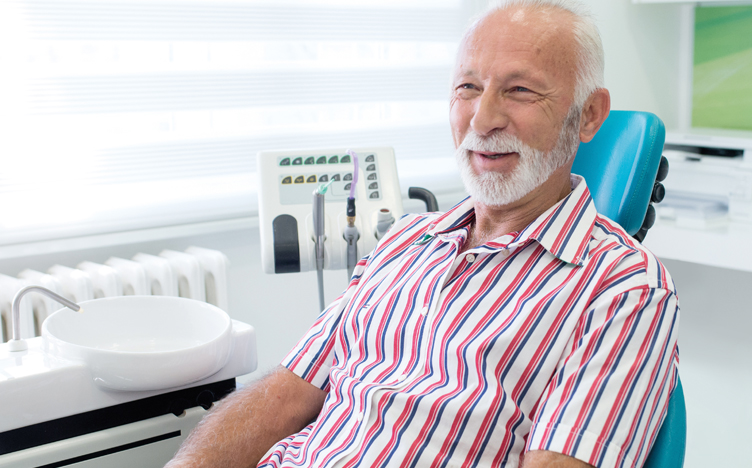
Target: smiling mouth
[490,155]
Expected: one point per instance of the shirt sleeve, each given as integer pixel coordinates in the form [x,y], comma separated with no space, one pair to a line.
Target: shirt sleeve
[609,395]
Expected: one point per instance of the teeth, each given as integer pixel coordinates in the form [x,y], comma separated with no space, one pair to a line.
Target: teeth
[493,156]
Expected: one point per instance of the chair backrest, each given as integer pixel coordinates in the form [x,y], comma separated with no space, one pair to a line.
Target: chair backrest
[671,442]
[620,166]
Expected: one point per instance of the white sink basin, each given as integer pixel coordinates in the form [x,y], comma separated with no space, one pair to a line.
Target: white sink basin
[142,342]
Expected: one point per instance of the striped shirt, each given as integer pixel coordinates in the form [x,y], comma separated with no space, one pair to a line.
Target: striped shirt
[560,337]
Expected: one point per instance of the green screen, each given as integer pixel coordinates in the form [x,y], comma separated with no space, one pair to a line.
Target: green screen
[722,80]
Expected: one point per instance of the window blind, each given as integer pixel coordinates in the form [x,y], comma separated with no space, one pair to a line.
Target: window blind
[135,114]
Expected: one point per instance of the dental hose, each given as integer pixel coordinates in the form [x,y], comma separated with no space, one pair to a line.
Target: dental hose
[351,233]
[319,237]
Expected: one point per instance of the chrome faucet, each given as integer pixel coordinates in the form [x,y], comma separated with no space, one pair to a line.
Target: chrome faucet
[16,343]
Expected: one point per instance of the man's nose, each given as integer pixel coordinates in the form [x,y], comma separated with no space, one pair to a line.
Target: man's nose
[489,115]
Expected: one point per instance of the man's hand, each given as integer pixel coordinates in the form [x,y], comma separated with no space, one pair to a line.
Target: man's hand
[245,425]
[546,459]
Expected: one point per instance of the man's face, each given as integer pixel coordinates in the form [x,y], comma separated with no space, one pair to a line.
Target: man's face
[513,88]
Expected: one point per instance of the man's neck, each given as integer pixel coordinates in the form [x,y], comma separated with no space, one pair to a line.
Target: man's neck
[492,222]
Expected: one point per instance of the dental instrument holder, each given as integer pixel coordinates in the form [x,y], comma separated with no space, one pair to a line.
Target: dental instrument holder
[384,222]
[16,343]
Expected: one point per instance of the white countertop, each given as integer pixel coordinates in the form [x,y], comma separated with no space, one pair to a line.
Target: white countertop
[726,246]
[36,387]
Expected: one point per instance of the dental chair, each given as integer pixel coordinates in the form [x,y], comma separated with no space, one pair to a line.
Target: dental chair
[623,167]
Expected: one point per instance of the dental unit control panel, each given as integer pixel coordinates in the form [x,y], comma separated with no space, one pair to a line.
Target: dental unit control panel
[287,182]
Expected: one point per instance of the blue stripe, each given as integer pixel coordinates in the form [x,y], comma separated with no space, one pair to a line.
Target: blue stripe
[551,221]
[574,228]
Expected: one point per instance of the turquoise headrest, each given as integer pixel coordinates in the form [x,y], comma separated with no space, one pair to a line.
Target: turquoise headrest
[620,165]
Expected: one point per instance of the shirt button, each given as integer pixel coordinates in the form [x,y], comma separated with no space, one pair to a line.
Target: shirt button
[402,377]
[359,417]
[424,311]
[505,253]
[470,258]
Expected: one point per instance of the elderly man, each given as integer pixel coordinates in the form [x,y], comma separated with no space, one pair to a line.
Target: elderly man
[520,327]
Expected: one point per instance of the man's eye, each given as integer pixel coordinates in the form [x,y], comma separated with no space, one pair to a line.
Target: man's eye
[520,89]
[466,86]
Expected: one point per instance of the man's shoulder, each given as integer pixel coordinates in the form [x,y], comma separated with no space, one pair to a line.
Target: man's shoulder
[631,259]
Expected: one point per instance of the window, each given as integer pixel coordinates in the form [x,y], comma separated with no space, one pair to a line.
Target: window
[121,115]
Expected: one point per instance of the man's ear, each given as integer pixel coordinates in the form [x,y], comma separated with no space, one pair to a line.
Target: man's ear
[594,113]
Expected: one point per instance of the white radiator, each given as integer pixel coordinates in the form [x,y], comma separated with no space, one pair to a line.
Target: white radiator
[197,273]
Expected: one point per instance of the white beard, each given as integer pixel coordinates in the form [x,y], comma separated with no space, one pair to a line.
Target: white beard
[533,167]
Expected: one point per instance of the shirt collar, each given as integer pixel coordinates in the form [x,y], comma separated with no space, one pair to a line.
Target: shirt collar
[564,229]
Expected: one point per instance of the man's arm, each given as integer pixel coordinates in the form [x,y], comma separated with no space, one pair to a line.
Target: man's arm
[546,459]
[245,425]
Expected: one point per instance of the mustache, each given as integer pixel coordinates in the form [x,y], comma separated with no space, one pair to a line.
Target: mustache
[497,142]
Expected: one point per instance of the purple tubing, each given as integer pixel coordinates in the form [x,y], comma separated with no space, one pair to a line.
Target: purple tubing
[355,173]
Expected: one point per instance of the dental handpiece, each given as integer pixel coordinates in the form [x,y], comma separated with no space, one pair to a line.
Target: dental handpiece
[318,228]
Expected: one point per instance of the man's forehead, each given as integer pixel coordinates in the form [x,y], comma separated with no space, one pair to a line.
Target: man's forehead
[535,26]
[519,30]
[472,70]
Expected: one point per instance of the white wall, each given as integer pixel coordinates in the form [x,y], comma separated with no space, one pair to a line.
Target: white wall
[642,50]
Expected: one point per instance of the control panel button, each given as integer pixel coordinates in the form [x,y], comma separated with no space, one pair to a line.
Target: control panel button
[370,158]
[371,176]
[311,179]
[374,195]
[324,178]
[347,186]
[287,180]
[299,179]
[373,186]
[345,159]
[336,177]
[285,162]
[321,160]
[297,162]
[371,167]
[347,177]
[310,160]
[334,160]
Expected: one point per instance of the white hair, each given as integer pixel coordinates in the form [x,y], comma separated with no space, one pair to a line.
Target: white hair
[590,54]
